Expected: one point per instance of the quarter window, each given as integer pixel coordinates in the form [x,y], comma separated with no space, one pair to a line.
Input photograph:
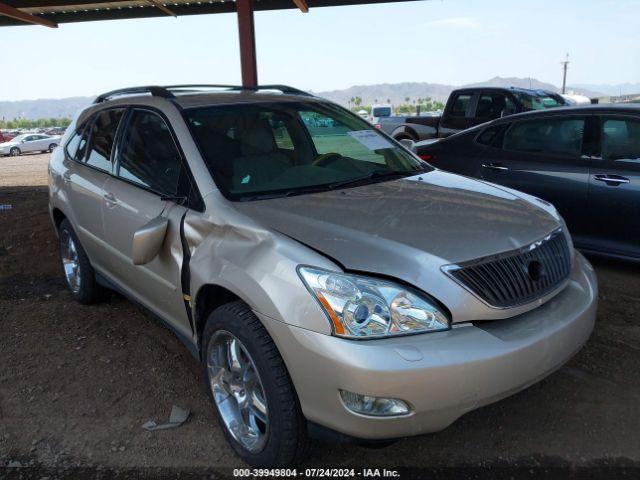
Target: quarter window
[103,133]
[561,136]
[77,145]
[620,139]
[149,156]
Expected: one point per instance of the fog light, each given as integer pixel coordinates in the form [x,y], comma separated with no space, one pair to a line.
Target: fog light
[374,406]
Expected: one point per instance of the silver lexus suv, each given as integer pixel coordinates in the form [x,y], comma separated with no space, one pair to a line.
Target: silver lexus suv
[329,281]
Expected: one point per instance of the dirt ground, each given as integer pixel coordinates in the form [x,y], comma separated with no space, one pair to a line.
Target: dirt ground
[77,382]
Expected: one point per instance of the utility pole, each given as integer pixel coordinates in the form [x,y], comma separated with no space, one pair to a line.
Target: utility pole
[565,65]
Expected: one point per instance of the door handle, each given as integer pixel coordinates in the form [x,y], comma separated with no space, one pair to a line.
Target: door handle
[110,200]
[612,181]
[495,166]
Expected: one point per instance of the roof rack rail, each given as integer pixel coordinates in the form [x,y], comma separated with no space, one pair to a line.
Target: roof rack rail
[166,91]
[155,91]
[238,88]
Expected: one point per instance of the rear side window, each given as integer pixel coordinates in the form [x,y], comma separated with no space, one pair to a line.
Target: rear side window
[494,105]
[561,136]
[620,139]
[103,134]
[460,105]
[149,156]
[490,135]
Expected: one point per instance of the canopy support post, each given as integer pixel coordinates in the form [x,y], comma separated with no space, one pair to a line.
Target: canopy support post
[246,30]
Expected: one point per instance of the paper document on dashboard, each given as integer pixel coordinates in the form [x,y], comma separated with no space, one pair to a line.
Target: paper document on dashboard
[371,139]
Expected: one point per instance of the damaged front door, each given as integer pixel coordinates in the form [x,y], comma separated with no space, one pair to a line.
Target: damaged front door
[150,182]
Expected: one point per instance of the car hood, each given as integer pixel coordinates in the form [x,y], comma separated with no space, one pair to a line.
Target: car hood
[391,227]
[8,144]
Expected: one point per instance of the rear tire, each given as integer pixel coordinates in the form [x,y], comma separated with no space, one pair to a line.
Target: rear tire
[15,152]
[79,274]
[52,147]
[280,429]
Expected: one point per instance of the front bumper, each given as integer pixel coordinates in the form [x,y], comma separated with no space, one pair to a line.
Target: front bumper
[441,375]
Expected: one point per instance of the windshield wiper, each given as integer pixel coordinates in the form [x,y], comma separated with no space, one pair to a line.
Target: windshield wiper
[376,174]
[286,193]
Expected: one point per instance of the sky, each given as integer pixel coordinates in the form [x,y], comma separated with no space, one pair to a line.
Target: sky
[438,41]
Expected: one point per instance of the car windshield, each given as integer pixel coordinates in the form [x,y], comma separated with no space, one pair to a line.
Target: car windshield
[19,138]
[265,150]
[539,101]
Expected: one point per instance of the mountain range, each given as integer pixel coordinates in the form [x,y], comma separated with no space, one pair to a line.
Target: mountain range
[395,93]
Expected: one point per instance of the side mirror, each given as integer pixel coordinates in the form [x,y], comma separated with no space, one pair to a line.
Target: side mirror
[148,240]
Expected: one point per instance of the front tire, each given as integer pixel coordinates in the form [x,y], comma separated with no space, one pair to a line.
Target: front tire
[14,152]
[78,272]
[52,147]
[249,385]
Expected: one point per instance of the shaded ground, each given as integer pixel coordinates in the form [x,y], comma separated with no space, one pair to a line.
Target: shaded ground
[77,382]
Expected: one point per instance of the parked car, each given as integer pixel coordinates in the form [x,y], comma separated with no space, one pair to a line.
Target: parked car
[378,112]
[468,107]
[328,284]
[584,159]
[29,143]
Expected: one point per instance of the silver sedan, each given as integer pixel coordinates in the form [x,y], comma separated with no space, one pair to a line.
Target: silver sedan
[36,142]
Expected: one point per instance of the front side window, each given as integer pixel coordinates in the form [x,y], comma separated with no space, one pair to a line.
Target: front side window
[102,135]
[149,156]
[460,105]
[620,139]
[326,148]
[561,136]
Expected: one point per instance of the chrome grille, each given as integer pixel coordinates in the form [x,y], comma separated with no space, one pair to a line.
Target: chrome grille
[517,277]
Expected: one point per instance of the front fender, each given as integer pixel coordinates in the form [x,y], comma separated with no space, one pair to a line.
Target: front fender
[258,266]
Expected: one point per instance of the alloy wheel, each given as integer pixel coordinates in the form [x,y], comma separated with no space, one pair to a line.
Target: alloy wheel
[70,262]
[237,391]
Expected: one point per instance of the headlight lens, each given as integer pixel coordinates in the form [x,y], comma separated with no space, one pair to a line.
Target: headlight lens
[364,307]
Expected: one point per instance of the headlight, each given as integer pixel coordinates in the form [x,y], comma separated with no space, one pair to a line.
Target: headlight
[365,307]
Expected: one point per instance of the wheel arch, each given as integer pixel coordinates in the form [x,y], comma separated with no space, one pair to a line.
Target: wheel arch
[209,297]
[405,132]
[58,216]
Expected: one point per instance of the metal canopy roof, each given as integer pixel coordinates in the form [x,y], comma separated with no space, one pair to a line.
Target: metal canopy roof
[50,13]
[53,12]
